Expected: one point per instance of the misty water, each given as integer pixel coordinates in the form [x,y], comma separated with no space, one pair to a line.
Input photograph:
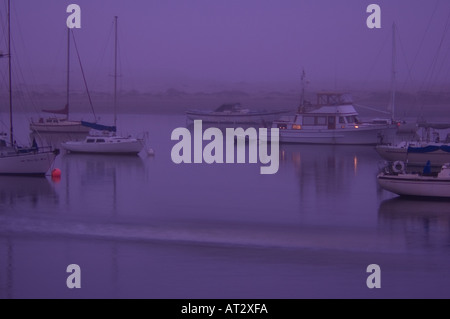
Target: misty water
[143,227]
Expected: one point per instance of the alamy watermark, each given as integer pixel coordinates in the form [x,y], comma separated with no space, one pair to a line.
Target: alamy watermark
[213,152]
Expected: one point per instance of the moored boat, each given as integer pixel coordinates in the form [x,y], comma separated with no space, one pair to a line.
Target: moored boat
[55,124]
[333,120]
[102,144]
[16,160]
[416,153]
[106,141]
[416,184]
[431,147]
[234,114]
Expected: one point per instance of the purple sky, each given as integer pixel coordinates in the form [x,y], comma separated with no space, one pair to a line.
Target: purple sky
[208,45]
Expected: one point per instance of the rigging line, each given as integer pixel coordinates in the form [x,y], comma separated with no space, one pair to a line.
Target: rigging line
[21,67]
[84,77]
[447,77]
[3,23]
[442,66]
[410,77]
[434,73]
[101,57]
[425,33]
[372,109]
[55,67]
[365,83]
[436,57]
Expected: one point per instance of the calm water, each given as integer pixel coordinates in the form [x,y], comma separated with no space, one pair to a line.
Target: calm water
[143,227]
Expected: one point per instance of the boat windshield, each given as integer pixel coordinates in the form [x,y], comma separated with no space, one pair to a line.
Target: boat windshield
[353,119]
[229,108]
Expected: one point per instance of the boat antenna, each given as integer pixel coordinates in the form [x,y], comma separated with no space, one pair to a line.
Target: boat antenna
[11,133]
[302,98]
[68,73]
[115,72]
[394,70]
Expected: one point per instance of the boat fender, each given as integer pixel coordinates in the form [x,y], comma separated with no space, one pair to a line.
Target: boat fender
[398,167]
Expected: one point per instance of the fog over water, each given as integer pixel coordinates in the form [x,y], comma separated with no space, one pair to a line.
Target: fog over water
[249,45]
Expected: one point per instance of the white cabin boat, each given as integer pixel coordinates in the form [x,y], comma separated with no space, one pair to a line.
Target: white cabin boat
[102,144]
[417,184]
[234,114]
[416,153]
[58,125]
[431,147]
[106,141]
[27,162]
[333,120]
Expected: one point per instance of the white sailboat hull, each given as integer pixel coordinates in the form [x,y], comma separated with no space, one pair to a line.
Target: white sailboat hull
[354,136]
[65,127]
[392,154]
[118,146]
[246,118]
[419,187]
[37,164]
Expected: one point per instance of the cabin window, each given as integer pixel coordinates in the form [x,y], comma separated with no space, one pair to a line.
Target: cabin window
[90,140]
[282,126]
[100,141]
[309,120]
[350,119]
[296,127]
[341,120]
[321,120]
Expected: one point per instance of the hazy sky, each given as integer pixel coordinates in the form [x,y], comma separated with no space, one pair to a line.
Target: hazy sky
[198,45]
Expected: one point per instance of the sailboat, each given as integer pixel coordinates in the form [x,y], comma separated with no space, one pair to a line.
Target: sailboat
[107,141]
[57,124]
[15,160]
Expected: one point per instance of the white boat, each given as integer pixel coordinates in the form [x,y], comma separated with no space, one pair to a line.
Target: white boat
[234,114]
[107,142]
[416,153]
[430,147]
[56,124]
[27,162]
[106,145]
[333,120]
[15,160]
[416,184]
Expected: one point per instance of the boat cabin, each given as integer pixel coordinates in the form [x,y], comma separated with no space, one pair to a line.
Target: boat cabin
[229,108]
[332,111]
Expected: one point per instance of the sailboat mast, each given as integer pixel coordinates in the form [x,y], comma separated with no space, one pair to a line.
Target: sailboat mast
[115,73]
[11,133]
[394,69]
[302,98]
[68,73]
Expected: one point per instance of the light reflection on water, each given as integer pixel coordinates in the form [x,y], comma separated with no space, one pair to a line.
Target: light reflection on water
[139,221]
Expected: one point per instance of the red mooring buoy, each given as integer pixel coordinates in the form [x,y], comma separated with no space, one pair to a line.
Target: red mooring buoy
[56,174]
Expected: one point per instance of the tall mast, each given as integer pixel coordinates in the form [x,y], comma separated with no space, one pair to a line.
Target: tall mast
[302,98]
[394,69]
[115,73]
[68,73]
[11,133]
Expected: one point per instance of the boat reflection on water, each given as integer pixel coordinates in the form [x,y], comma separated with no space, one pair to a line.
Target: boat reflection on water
[335,182]
[103,181]
[56,139]
[423,223]
[327,168]
[21,194]
[20,200]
